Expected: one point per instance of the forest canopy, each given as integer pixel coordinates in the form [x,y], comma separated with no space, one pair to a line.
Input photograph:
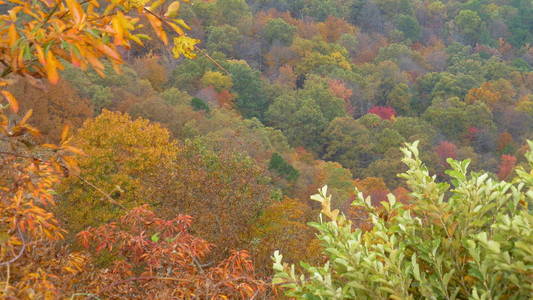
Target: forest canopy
[172,149]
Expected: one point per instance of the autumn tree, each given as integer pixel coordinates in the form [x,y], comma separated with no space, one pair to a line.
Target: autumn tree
[53,106]
[384,112]
[446,150]
[38,39]
[507,164]
[123,157]
[223,191]
[282,226]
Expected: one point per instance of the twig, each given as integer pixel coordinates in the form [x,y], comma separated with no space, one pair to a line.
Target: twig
[21,251]
[195,47]
[212,60]
[142,278]
[50,14]
[106,195]
[7,279]
[84,294]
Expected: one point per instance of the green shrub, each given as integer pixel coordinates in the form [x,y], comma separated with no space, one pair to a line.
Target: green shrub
[278,164]
[470,240]
[199,104]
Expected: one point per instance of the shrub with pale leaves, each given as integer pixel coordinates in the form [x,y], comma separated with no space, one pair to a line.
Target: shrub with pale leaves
[472,239]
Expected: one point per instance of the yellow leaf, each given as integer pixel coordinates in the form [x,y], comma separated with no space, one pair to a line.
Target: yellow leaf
[173,9]
[156,4]
[50,146]
[176,28]
[182,24]
[184,45]
[13,104]
[71,164]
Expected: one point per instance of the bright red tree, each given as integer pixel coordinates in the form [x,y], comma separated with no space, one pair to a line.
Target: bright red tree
[384,112]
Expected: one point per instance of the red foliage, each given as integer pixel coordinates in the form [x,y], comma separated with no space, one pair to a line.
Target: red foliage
[472,133]
[446,150]
[507,164]
[159,259]
[384,112]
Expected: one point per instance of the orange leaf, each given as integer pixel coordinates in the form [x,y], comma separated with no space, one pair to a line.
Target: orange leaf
[26,117]
[75,10]
[40,54]
[51,68]
[74,150]
[119,30]
[12,35]
[108,51]
[157,25]
[11,100]
[64,133]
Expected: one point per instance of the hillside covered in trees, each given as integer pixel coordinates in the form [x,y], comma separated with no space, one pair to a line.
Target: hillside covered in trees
[157,149]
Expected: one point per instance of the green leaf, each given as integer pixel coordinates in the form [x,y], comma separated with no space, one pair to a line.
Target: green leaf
[155,237]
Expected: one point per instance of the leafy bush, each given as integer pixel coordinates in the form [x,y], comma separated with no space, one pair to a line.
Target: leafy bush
[472,240]
[278,164]
[199,104]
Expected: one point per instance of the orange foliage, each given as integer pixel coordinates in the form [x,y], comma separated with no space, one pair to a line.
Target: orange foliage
[160,259]
[482,94]
[28,173]
[150,68]
[287,76]
[333,28]
[369,48]
[225,99]
[507,164]
[504,140]
[375,188]
[53,106]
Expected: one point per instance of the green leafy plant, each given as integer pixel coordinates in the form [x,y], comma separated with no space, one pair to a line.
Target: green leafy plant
[199,104]
[472,239]
[283,168]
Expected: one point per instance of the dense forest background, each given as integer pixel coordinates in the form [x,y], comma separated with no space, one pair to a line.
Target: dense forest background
[282,98]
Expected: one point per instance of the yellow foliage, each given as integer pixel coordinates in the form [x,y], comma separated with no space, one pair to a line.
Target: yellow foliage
[123,157]
[184,45]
